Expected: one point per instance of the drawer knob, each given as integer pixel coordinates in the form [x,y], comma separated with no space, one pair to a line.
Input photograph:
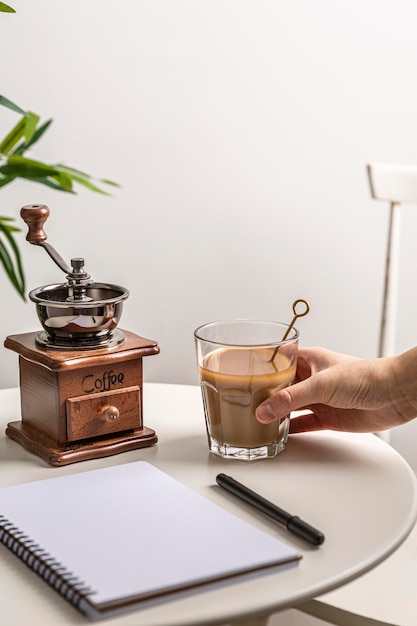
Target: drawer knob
[110,413]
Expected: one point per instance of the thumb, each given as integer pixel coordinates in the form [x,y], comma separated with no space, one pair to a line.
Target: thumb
[297,396]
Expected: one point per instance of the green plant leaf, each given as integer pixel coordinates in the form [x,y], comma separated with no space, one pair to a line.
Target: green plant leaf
[11,139]
[87,183]
[31,122]
[5,8]
[7,263]
[49,183]
[106,181]
[11,105]
[63,180]
[25,127]
[37,171]
[10,255]
[10,227]
[22,147]
[85,177]
[27,168]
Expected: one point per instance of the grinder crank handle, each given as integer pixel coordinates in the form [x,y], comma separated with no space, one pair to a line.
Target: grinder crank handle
[35,216]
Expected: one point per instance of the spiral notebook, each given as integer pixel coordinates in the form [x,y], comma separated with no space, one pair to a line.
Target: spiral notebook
[117,538]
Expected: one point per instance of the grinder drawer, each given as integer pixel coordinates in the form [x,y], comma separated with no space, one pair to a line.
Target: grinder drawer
[103,413]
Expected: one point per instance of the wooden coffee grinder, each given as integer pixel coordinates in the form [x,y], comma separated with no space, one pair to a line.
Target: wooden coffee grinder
[81,377]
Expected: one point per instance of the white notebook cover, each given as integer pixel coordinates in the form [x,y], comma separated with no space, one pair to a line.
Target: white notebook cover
[130,534]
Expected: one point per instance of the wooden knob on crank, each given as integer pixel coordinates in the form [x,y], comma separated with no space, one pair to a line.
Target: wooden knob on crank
[35,216]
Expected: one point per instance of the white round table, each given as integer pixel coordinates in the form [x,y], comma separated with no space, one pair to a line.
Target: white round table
[353,487]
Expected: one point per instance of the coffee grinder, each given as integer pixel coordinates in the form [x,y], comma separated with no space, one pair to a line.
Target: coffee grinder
[81,377]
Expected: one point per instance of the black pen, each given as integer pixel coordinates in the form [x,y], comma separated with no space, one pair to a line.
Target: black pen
[293,523]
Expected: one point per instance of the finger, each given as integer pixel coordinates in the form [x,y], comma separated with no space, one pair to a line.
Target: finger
[293,398]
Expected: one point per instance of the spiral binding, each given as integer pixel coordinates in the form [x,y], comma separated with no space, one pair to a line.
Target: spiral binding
[48,568]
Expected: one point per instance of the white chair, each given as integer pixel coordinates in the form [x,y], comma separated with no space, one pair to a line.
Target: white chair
[395,184]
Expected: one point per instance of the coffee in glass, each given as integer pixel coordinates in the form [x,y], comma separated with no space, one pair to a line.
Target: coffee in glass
[237,373]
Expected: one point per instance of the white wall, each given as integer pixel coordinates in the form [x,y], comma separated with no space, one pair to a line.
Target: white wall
[239,130]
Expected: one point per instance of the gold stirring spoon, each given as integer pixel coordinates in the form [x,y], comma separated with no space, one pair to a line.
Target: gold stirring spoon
[296,316]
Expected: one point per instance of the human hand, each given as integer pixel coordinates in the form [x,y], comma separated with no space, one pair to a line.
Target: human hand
[346,393]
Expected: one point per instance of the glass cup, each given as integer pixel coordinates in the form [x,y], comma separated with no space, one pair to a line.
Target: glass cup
[242,363]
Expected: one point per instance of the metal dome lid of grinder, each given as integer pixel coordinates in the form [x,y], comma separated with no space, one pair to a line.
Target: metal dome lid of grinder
[77,314]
